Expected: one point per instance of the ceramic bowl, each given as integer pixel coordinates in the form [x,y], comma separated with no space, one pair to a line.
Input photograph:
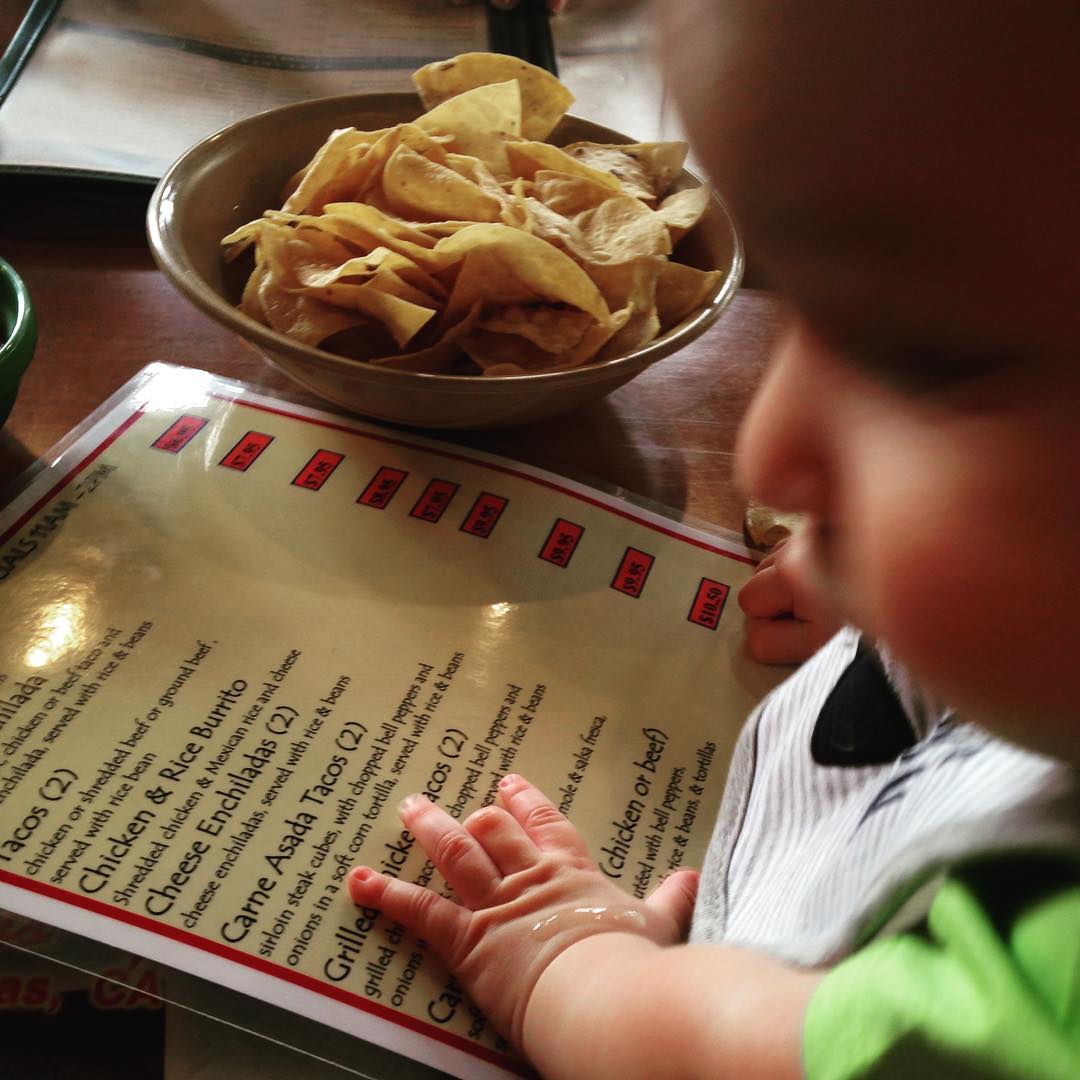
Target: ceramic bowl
[234,175]
[18,335]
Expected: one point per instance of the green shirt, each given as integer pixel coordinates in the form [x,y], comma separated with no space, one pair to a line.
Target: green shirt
[988,986]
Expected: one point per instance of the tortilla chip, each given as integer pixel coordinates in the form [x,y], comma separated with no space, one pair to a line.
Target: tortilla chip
[681,211]
[683,289]
[568,195]
[549,327]
[479,123]
[440,358]
[630,287]
[544,99]
[512,266]
[507,352]
[366,228]
[334,172]
[766,527]
[628,284]
[383,265]
[529,158]
[423,189]
[275,300]
[621,229]
[646,170]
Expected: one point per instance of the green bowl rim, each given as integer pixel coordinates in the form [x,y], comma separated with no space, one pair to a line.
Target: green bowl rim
[22,339]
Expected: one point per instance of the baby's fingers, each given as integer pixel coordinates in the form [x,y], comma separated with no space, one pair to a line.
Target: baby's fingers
[428,915]
[767,594]
[540,818]
[674,897]
[775,554]
[459,857]
[505,841]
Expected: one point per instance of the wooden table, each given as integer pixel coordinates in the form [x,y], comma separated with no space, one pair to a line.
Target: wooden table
[105,311]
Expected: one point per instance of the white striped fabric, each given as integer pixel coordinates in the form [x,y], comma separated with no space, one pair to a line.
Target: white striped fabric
[807,861]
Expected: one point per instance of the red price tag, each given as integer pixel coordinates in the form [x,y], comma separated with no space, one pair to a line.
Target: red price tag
[318,470]
[484,515]
[382,488]
[562,542]
[709,603]
[246,451]
[435,499]
[179,434]
[633,571]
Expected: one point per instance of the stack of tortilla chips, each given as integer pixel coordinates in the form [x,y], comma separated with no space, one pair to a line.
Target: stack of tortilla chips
[463,243]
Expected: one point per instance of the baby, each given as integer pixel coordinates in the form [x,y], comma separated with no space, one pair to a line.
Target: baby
[893,887]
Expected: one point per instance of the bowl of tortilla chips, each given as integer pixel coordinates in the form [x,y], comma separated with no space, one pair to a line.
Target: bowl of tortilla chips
[467,256]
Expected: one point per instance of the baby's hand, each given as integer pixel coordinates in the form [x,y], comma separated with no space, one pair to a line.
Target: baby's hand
[784,624]
[529,890]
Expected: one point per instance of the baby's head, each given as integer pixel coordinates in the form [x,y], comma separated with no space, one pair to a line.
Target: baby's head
[906,174]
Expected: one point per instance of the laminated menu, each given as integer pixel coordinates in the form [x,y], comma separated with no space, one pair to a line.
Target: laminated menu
[237,632]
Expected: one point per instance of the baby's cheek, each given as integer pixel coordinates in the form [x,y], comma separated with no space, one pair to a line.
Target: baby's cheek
[977,618]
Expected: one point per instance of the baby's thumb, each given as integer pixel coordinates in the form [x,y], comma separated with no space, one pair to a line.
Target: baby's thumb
[675,896]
